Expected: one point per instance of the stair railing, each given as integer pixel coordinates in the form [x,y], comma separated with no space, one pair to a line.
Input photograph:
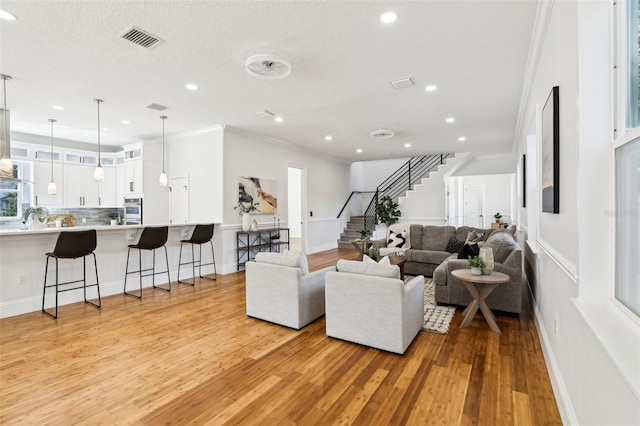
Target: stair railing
[349,199]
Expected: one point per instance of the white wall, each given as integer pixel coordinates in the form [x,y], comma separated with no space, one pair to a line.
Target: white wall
[199,155]
[591,352]
[327,185]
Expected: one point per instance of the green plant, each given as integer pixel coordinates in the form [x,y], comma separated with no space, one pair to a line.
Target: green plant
[39,213]
[364,233]
[387,210]
[113,216]
[475,262]
[372,252]
[497,215]
[246,207]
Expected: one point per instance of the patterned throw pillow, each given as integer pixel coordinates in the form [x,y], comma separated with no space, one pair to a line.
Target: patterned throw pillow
[474,237]
[454,246]
[396,239]
[469,250]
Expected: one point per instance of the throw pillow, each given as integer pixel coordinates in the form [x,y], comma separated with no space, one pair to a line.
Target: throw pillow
[454,246]
[474,237]
[396,239]
[469,250]
[384,261]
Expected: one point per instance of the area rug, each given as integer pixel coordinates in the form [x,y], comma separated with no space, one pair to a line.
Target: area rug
[437,319]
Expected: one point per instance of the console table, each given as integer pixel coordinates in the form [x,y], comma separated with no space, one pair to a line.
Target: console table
[248,243]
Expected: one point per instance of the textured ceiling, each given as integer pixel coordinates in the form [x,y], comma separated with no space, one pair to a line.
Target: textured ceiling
[69,52]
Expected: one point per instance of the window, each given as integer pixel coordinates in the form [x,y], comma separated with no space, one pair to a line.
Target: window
[626,154]
[14,194]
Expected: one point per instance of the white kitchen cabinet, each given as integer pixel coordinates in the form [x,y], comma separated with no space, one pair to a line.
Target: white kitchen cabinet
[108,188]
[133,177]
[81,190]
[120,183]
[42,177]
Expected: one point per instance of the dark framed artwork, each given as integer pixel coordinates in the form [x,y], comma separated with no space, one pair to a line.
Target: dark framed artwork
[551,153]
[524,180]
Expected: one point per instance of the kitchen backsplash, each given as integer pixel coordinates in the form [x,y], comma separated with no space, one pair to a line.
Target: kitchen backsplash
[92,216]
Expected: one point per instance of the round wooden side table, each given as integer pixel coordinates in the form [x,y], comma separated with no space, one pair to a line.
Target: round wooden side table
[489,283]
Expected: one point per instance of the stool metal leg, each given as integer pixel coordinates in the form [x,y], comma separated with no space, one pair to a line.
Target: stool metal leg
[193,283]
[126,274]
[166,256]
[99,304]
[44,290]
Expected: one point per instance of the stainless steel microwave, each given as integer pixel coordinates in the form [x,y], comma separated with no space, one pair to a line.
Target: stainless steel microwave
[133,210]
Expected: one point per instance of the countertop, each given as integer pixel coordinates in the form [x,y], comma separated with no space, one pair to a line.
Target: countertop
[14,231]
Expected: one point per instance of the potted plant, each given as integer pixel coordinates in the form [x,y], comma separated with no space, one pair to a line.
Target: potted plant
[245,210]
[372,253]
[476,265]
[387,210]
[38,215]
[114,218]
[498,217]
[364,233]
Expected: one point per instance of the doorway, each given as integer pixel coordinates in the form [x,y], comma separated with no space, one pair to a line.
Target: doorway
[474,200]
[179,200]
[294,207]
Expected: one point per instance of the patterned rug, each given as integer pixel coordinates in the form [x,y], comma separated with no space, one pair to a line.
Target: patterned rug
[437,319]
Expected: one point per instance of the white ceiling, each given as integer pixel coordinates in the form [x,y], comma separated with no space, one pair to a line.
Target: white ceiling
[69,52]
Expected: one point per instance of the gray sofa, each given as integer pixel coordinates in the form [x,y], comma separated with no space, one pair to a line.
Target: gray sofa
[428,256]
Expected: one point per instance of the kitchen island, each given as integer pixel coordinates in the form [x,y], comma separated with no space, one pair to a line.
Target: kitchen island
[22,264]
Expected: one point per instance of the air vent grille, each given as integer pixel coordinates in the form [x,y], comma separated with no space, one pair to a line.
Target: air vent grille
[141,38]
[157,107]
[401,83]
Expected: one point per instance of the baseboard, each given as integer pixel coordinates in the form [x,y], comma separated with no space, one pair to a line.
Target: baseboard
[563,401]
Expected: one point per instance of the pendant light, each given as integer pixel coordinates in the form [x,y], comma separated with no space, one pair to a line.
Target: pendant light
[52,188]
[6,165]
[164,179]
[98,174]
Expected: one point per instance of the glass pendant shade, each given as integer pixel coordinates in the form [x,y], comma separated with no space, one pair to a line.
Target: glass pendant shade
[98,174]
[164,179]
[52,188]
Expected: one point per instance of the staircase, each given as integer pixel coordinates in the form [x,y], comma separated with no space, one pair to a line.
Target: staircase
[395,186]
[351,232]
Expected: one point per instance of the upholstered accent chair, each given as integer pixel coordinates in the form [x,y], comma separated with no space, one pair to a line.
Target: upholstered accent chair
[368,304]
[281,290]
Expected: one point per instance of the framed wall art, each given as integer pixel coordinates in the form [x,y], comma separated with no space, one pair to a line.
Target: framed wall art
[551,153]
[259,191]
[524,180]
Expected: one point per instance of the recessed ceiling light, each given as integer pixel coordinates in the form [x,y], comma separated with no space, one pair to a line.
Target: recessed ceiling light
[192,86]
[407,145]
[328,138]
[58,107]
[126,122]
[6,16]
[431,88]
[359,150]
[279,119]
[462,139]
[388,17]
[450,120]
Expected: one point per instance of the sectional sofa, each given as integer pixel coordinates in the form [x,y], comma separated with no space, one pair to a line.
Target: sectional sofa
[428,256]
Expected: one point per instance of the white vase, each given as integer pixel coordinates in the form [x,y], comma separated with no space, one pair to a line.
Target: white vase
[114,222]
[246,221]
[486,255]
[476,271]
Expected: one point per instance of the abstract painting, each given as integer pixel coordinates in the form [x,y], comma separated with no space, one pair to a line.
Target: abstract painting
[262,192]
[551,153]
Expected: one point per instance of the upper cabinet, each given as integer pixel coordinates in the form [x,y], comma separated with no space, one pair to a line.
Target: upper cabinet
[42,177]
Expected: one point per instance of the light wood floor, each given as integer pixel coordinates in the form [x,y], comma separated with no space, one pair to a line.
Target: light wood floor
[192,356]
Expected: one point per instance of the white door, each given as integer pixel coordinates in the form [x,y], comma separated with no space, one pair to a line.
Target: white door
[179,200]
[474,205]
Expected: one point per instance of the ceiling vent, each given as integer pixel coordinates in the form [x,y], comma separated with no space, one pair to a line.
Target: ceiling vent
[141,38]
[157,107]
[264,113]
[401,83]
[269,67]
[382,133]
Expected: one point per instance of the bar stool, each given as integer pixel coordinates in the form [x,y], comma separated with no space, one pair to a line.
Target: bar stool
[73,245]
[202,234]
[152,238]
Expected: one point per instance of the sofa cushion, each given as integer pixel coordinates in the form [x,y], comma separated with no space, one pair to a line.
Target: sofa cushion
[502,244]
[285,258]
[429,256]
[436,237]
[454,246]
[366,268]
[415,236]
